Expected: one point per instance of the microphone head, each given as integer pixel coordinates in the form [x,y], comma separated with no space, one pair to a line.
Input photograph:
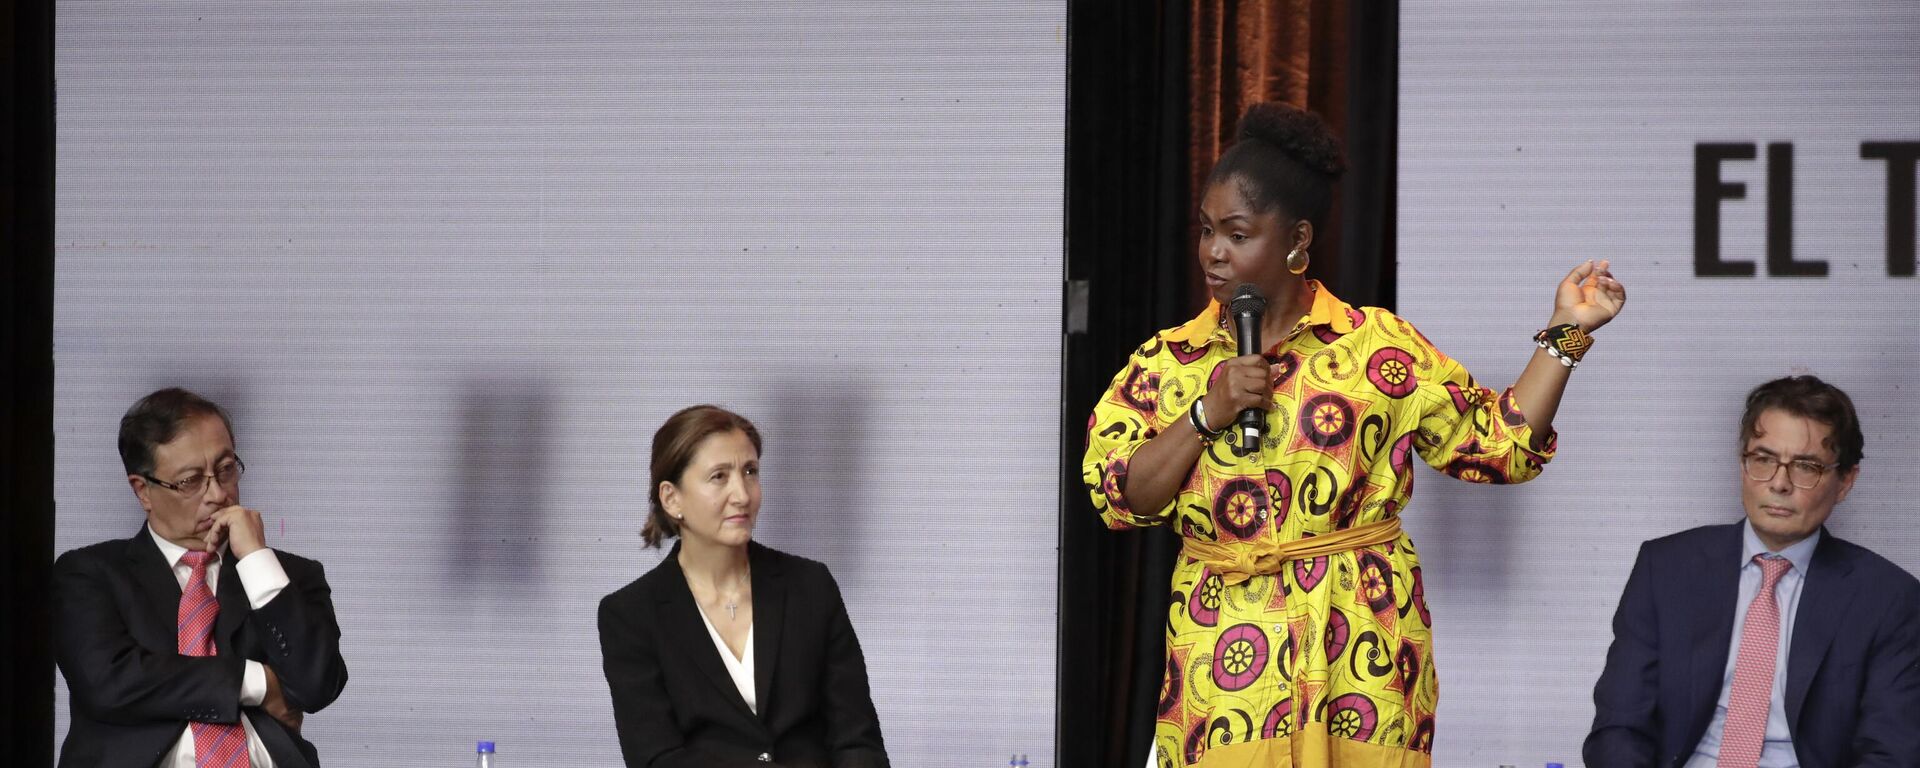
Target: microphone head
[1247,301]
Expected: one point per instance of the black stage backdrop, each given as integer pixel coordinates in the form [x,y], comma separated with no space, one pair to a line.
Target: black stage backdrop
[26,396]
[1129,263]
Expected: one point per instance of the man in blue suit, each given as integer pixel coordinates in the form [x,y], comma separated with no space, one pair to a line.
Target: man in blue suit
[1768,642]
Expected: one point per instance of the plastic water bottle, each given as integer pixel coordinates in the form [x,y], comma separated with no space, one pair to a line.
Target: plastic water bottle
[484,750]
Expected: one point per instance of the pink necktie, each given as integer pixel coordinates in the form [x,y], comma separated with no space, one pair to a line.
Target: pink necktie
[221,745]
[1746,727]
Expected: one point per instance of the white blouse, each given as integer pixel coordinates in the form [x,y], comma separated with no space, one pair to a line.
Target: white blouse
[741,669]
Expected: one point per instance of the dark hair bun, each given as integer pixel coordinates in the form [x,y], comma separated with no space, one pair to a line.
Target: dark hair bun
[1302,135]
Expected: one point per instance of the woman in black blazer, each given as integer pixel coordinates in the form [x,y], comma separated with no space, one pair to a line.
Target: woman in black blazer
[792,687]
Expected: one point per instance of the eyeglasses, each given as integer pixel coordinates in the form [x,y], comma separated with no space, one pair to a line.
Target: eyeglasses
[227,474]
[1804,474]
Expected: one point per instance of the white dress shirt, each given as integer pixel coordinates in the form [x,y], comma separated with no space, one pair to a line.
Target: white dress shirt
[1777,750]
[262,578]
[741,669]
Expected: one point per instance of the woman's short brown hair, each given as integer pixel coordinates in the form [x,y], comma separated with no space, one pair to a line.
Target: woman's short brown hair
[673,448]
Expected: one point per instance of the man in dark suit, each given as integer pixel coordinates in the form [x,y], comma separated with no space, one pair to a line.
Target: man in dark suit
[192,643]
[1768,642]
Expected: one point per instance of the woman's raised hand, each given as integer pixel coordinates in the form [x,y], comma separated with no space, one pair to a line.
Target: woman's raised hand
[1588,297]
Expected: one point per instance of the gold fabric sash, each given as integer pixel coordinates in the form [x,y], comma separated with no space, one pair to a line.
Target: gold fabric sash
[1241,560]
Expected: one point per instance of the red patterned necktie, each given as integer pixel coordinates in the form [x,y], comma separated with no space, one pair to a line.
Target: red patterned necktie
[1746,728]
[221,745]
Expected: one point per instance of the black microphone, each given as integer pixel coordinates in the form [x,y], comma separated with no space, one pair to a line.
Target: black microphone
[1247,308]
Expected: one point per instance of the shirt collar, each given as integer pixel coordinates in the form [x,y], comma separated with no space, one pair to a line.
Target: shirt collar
[1800,553]
[1328,310]
[170,551]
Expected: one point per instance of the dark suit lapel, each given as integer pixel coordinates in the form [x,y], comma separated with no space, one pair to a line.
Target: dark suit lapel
[1824,597]
[1716,590]
[769,616]
[234,605]
[680,618]
[159,591]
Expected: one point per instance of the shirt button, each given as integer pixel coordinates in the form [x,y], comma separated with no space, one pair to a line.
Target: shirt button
[1278,628]
[1263,514]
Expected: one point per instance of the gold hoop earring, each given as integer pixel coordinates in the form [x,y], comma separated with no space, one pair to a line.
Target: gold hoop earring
[1297,261]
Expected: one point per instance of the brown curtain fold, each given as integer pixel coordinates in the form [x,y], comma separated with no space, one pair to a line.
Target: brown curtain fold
[1244,52]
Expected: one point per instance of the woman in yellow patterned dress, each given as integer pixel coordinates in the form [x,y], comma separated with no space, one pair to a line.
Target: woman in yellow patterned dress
[1300,633]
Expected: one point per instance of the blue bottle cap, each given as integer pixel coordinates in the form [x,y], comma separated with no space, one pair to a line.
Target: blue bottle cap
[485,748]
[1555,765]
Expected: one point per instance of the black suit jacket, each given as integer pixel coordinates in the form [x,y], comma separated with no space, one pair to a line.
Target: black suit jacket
[675,706]
[1853,668]
[116,607]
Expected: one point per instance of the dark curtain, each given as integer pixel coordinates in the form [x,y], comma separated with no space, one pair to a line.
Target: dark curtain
[26,396]
[1154,91]
[1128,267]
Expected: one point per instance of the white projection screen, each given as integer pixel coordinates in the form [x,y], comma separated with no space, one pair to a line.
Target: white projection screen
[1536,135]
[449,265]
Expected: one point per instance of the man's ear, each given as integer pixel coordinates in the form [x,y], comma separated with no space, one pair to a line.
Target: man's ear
[141,488]
[1846,483]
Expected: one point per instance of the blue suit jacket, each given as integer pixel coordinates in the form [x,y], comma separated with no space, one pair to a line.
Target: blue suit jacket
[1853,670]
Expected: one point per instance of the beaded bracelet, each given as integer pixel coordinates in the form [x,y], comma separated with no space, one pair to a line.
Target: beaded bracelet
[1565,342]
[1198,415]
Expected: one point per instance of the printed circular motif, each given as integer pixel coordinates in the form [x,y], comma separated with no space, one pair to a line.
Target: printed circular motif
[1352,716]
[1288,365]
[1337,363]
[1196,741]
[1176,394]
[1422,740]
[1186,353]
[1204,606]
[1220,732]
[1326,334]
[1475,471]
[1408,660]
[1376,581]
[1318,491]
[1420,598]
[1309,573]
[1279,496]
[1239,657]
[1326,420]
[1390,370]
[1240,508]
[1279,720]
[1337,633]
[1348,507]
[1110,485]
[1508,412]
[1170,687]
[1141,390]
[1400,458]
